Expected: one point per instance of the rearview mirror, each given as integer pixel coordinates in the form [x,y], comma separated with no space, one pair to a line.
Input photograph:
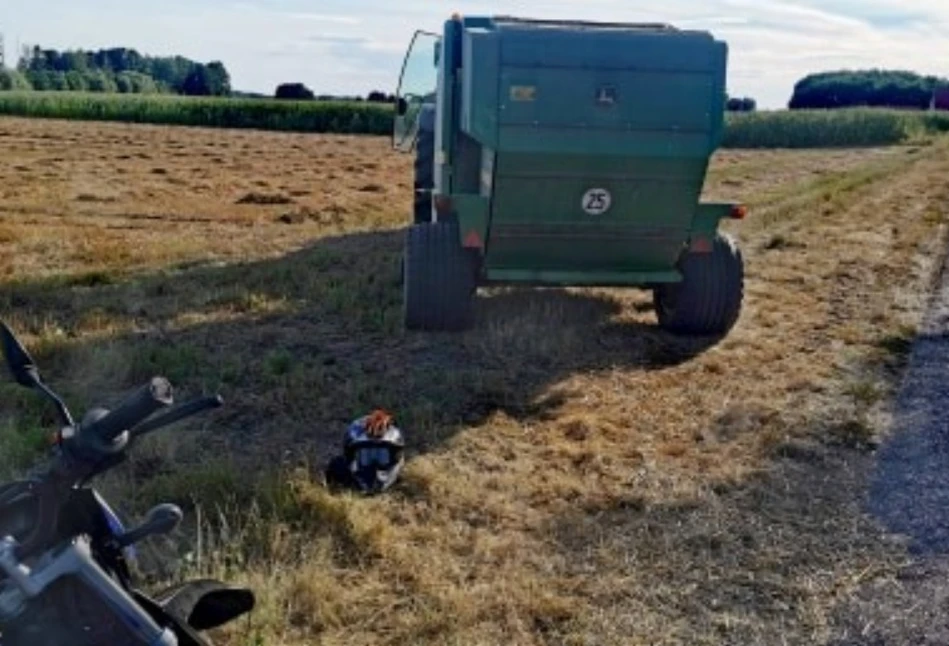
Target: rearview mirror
[19,361]
[402,106]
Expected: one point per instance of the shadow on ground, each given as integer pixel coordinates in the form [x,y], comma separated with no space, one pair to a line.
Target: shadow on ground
[301,344]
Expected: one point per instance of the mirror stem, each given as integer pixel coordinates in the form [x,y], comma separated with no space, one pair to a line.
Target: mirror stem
[61,408]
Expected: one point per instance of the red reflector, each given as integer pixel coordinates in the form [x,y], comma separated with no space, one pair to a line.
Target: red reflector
[701,245]
[739,212]
[473,240]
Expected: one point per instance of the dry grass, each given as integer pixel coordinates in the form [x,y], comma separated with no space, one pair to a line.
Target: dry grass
[577,476]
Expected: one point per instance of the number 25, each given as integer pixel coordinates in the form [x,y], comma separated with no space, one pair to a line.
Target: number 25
[597,201]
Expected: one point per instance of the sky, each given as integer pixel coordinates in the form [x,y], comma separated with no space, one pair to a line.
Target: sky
[355,46]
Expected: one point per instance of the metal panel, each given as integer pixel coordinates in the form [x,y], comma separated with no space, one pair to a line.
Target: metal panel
[479,80]
[539,219]
[605,49]
[541,277]
[626,100]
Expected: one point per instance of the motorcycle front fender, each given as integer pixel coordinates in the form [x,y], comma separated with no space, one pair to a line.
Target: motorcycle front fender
[206,604]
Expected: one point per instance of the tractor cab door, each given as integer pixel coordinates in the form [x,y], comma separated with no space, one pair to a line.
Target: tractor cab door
[417,86]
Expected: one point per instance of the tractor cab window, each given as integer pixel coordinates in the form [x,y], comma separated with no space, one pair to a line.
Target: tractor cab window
[417,87]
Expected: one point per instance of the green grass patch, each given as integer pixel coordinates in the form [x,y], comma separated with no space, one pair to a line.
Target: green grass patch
[20,445]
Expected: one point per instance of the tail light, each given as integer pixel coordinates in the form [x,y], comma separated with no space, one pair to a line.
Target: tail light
[473,240]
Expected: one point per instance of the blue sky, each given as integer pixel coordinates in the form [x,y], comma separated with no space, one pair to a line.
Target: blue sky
[353,46]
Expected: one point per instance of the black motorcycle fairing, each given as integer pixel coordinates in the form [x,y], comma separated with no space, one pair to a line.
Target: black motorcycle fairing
[65,613]
[206,604]
[17,509]
[83,514]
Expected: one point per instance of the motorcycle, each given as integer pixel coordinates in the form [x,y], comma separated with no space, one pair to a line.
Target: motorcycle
[65,575]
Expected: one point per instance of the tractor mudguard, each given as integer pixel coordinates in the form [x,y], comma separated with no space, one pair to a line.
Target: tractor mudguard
[706,221]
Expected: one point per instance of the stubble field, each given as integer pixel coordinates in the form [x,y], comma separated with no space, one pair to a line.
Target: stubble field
[575,475]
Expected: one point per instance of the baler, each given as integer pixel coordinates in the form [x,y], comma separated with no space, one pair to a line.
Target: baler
[565,154]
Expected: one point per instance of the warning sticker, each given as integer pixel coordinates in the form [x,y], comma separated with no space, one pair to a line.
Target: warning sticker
[523,93]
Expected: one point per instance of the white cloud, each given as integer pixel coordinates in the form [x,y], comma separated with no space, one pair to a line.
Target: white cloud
[353,46]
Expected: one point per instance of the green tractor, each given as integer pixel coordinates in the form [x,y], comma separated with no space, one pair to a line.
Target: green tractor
[554,153]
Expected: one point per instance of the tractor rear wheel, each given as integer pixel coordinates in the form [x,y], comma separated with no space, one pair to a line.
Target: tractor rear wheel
[708,300]
[439,281]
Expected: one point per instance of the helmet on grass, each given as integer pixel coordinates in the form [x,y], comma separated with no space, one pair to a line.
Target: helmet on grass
[374,452]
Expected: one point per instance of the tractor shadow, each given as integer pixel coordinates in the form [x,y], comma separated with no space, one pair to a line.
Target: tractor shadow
[301,344]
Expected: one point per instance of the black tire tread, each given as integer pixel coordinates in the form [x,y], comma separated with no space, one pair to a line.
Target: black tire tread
[711,294]
[439,279]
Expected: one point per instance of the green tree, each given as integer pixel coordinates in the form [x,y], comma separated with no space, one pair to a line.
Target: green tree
[76,61]
[941,97]
[174,73]
[207,80]
[293,91]
[198,82]
[738,104]
[123,83]
[143,83]
[876,88]
[135,83]
[58,82]
[13,80]
[219,79]
[99,81]
[76,81]
[40,80]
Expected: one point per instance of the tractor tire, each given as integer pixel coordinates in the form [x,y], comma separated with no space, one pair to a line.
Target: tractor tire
[709,299]
[424,175]
[439,281]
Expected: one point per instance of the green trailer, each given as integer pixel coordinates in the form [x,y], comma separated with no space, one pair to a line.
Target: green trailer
[553,153]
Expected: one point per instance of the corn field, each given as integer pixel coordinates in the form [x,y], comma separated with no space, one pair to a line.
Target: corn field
[831,128]
[769,129]
[263,114]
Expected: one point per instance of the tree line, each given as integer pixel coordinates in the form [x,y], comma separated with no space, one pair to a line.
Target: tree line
[300,92]
[124,70]
[740,104]
[113,70]
[874,88]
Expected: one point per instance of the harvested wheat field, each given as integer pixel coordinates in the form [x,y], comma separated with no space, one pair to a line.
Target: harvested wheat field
[575,476]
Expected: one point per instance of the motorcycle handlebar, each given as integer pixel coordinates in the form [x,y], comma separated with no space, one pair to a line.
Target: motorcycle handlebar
[133,410]
[183,411]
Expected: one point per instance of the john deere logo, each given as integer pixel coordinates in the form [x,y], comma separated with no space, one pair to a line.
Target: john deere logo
[606,95]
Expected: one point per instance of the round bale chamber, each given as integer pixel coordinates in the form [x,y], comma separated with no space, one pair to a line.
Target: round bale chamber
[576,153]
